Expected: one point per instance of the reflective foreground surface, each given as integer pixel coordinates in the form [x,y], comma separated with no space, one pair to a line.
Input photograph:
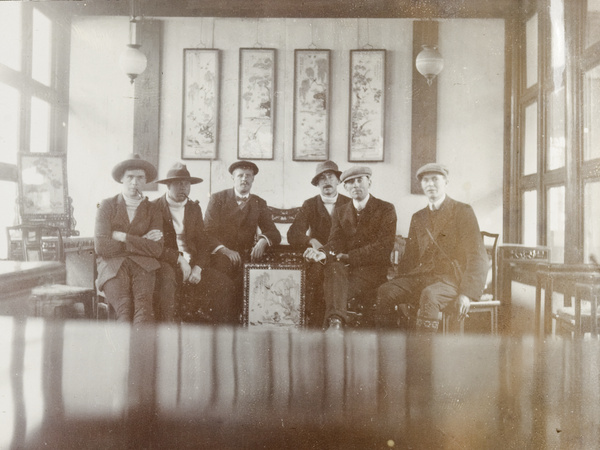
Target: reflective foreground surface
[107,385]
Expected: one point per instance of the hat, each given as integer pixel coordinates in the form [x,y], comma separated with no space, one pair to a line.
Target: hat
[134,162]
[243,165]
[432,168]
[354,172]
[325,166]
[179,172]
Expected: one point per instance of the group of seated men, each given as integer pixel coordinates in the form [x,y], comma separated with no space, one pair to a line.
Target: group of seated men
[162,260]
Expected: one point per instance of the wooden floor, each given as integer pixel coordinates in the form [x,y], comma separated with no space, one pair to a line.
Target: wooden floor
[85,384]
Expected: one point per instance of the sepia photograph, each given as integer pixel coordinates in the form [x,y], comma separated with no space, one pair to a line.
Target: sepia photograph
[322,224]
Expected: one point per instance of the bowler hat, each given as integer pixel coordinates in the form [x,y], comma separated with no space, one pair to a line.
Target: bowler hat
[432,168]
[134,162]
[179,172]
[325,166]
[243,164]
[355,172]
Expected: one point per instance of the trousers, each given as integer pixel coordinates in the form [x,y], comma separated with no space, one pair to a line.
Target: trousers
[130,293]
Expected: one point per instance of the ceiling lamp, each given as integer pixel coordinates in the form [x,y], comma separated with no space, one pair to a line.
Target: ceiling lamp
[133,61]
[429,62]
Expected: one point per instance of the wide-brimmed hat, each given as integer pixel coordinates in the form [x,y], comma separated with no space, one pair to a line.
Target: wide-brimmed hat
[243,164]
[432,168]
[179,172]
[134,162]
[322,167]
[355,172]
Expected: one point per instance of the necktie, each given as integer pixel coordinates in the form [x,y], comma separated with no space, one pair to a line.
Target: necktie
[241,201]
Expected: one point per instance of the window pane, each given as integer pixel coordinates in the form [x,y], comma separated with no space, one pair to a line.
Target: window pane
[10,34]
[557,23]
[555,158]
[41,69]
[8,208]
[531,54]
[9,123]
[591,115]
[530,144]
[40,126]
[593,22]
[591,218]
[529,226]
[555,233]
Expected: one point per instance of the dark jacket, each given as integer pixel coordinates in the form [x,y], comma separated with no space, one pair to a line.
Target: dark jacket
[368,238]
[455,229]
[199,244]
[112,216]
[234,227]
[313,216]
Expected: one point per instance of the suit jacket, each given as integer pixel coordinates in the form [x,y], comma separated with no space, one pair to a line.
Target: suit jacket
[112,216]
[236,228]
[198,243]
[314,218]
[455,229]
[368,238]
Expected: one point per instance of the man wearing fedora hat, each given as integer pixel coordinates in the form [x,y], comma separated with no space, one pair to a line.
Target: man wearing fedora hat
[204,293]
[357,254]
[128,239]
[233,218]
[444,264]
[311,229]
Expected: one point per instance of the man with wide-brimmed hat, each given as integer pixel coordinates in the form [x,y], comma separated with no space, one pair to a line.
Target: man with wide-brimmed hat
[233,218]
[357,254]
[128,239]
[187,288]
[311,228]
[444,264]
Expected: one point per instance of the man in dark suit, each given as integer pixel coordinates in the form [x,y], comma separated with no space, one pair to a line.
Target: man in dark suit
[204,294]
[128,239]
[311,229]
[445,263]
[233,218]
[357,254]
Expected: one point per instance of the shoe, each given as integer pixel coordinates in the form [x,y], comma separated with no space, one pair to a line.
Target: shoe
[335,324]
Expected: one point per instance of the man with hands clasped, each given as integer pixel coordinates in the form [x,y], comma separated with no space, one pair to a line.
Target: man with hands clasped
[357,254]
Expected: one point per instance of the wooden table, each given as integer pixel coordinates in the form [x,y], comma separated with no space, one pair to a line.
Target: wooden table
[78,384]
[17,278]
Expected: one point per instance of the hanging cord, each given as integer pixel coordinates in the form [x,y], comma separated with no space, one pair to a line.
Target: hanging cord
[368,46]
[312,38]
[257,44]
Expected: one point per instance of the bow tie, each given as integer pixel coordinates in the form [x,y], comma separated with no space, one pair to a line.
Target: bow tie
[241,199]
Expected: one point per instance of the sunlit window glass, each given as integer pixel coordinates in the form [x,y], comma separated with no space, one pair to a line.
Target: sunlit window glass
[557,24]
[10,34]
[529,217]
[591,225]
[41,69]
[593,22]
[8,214]
[9,123]
[531,51]
[591,118]
[555,157]
[40,125]
[530,144]
[555,226]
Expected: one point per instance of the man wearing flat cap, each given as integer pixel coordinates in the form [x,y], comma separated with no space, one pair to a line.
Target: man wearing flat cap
[445,263]
[128,240]
[357,254]
[311,229]
[187,288]
[241,224]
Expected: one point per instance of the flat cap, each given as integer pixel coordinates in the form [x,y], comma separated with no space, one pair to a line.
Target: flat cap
[354,172]
[432,168]
[243,164]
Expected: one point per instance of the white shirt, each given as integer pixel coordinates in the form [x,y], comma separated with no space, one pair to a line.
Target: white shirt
[361,205]
[436,205]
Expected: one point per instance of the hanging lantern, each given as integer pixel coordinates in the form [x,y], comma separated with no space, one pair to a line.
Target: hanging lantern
[429,62]
[132,61]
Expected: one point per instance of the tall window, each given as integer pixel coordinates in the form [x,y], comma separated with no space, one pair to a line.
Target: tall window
[558,143]
[31,96]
